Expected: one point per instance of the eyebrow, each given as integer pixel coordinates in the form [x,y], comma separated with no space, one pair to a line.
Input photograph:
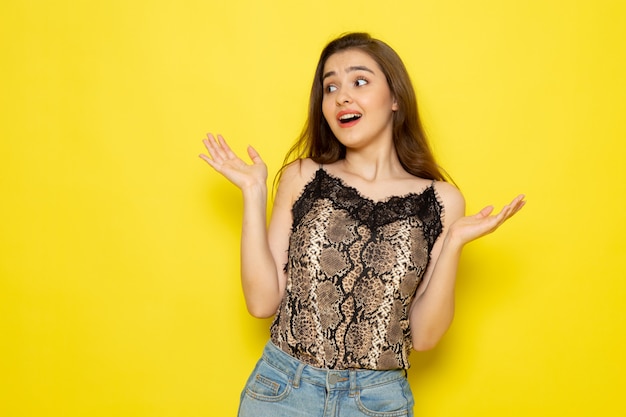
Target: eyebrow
[349,69]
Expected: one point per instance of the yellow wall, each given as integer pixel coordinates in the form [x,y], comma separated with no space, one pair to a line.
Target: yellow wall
[119,292]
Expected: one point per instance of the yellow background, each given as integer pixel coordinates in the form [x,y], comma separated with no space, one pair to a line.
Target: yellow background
[119,291]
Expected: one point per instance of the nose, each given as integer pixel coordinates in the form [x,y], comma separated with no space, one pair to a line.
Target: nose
[342,97]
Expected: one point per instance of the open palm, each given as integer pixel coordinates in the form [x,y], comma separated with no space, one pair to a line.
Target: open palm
[468,228]
[227,163]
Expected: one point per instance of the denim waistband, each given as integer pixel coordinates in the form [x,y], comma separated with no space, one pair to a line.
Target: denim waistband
[332,379]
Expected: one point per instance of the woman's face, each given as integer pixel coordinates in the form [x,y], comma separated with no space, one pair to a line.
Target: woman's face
[357,102]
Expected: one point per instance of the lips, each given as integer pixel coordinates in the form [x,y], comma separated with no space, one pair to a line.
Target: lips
[348,118]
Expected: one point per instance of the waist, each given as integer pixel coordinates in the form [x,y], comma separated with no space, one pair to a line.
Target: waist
[336,379]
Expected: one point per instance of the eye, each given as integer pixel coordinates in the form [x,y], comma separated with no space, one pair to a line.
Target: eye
[330,88]
[360,82]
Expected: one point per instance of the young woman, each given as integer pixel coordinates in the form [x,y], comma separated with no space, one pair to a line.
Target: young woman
[359,262]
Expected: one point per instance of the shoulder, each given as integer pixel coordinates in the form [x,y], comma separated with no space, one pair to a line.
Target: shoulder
[297,173]
[451,199]
[294,177]
[299,169]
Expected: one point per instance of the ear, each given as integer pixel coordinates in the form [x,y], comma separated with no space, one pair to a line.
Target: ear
[394,106]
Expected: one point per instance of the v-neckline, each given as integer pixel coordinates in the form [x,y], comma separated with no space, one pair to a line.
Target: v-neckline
[341,182]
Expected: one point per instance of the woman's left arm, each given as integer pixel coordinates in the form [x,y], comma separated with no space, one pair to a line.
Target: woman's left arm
[433,307]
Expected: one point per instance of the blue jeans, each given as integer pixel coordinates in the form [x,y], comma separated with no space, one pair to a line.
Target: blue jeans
[282,386]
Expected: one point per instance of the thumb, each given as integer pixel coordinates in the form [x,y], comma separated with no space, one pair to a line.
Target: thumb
[254,155]
[485,212]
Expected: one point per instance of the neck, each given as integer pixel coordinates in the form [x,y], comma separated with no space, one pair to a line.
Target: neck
[373,165]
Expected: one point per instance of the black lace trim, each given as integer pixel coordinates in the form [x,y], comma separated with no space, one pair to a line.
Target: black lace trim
[424,205]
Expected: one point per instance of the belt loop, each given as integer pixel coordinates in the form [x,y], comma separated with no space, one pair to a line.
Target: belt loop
[352,383]
[298,375]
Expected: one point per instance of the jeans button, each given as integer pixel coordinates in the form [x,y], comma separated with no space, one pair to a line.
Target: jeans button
[332,379]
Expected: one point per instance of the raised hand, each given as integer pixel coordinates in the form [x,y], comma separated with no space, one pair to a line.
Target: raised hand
[469,228]
[227,163]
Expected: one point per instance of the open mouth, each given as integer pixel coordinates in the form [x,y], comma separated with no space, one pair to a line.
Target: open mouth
[349,117]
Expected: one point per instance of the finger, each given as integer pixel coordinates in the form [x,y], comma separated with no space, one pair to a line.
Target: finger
[209,144]
[519,200]
[485,212]
[509,210]
[210,161]
[217,148]
[254,155]
[210,152]
[517,204]
[503,215]
[518,207]
[225,148]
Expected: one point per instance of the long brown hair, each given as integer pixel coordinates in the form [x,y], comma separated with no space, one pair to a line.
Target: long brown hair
[317,140]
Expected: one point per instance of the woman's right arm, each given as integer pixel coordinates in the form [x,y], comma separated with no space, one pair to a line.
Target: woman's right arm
[263,250]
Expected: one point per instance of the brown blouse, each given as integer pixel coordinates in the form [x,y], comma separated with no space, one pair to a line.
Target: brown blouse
[352,271]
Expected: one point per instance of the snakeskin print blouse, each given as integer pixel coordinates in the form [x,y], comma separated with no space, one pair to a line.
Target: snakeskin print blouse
[352,271]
